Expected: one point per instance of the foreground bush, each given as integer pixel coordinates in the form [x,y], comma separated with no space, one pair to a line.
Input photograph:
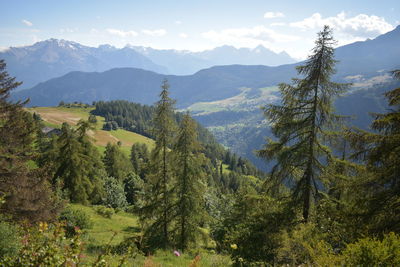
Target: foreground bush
[46,245]
[10,242]
[373,252]
[365,252]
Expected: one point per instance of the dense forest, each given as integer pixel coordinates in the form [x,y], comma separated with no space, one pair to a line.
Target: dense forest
[331,198]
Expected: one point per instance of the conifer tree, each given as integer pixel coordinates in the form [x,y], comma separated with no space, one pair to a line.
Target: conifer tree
[26,189]
[381,152]
[139,158]
[158,211]
[76,164]
[116,162]
[302,123]
[190,183]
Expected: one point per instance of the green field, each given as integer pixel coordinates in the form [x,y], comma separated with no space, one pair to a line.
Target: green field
[121,225]
[55,116]
[124,225]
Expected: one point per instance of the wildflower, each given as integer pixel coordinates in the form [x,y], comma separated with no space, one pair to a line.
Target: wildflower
[176,253]
[234,246]
[43,226]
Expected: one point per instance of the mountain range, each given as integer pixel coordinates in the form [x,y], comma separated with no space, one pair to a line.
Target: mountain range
[212,84]
[53,58]
[187,62]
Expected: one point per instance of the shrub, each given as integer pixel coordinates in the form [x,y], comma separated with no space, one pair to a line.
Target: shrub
[9,240]
[46,245]
[75,218]
[115,195]
[105,212]
[134,190]
[373,252]
[251,231]
[297,246]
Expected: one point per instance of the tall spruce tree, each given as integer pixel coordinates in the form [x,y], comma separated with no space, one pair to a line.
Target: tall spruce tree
[302,123]
[158,211]
[26,189]
[190,183]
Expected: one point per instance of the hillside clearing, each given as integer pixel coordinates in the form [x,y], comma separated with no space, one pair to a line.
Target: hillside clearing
[56,116]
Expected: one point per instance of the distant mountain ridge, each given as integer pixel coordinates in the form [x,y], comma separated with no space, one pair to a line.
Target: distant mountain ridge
[142,86]
[53,58]
[183,62]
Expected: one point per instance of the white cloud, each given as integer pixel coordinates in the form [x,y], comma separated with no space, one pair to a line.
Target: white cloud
[27,23]
[67,30]
[360,26]
[156,33]
[121,33]
[253,35]
[178,22]
[183,35]
[271,15]
[277,24]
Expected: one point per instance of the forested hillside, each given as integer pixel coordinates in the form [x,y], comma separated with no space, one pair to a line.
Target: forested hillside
[138,118]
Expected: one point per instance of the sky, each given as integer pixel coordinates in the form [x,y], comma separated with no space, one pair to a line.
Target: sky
[289,26]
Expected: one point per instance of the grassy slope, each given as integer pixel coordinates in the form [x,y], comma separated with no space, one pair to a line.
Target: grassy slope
[124,225]
[55,116]
[121,224]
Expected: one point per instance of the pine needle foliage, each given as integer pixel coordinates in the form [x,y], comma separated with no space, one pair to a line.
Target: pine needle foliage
[302,124]
[25,187]
[116,163]
[380,150]
[190,183]
[75,164]
[158,211]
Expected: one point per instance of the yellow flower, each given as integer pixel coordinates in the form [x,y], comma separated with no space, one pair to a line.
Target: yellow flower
[43,226]
[234,246]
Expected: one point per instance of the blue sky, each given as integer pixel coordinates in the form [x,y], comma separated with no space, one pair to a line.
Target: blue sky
[195,25]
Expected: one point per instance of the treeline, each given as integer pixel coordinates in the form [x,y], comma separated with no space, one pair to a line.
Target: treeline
[126,115]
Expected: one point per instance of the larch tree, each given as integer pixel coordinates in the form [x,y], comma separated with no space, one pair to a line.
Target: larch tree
[158,210]
[190,183]
[302,124]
